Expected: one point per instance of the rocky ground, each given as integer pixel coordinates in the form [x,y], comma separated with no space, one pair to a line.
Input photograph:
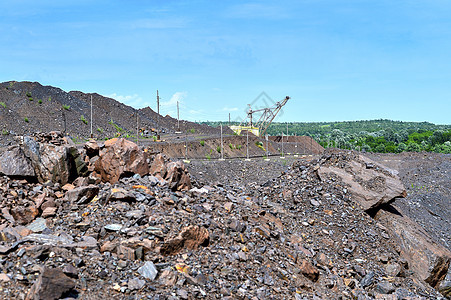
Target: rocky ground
[112,222]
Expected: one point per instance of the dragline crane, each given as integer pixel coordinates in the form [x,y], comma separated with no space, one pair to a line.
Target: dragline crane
[267,116]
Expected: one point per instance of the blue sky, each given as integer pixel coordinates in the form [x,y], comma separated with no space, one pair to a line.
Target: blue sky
[337,60]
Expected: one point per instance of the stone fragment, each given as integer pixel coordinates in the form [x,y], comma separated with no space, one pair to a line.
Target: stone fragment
[92,148]
[113,227]
[49,212]
[120,194]
[136,284]
[384,287]
[38,225]
[87,193]
[51,284]
[148,270]
[24,215]
[392,269]
[178,176]
[190,237]
[121,158]
[445,285]
[4,277]
[158,166]
[367,280]
[308,270]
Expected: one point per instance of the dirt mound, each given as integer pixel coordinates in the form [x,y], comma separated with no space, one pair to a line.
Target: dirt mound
[29,107]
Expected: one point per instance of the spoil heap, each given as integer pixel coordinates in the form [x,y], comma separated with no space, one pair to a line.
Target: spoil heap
[115,234]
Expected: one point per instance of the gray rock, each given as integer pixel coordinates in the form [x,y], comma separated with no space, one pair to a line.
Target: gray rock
[136,284]
[148,270]
[384,287]
[367,280]
[38,225]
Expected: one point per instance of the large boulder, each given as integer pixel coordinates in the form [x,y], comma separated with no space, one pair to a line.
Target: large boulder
[120,158]
[42,161]
[370,183]
[14,163]
[428,260]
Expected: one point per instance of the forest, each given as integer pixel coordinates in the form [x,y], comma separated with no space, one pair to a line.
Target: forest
[383,136]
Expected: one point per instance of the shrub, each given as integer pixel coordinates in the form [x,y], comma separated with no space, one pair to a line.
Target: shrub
[208,156]
[5,132]
[82,118]
[66,107]
[239,147]
[30,98]
[50,98]
[192,130]
[28,94]
[154,138]
[231,146]
[218,149]
[26,119]
[40,101]
[99,129]
[202,143]
[3,104]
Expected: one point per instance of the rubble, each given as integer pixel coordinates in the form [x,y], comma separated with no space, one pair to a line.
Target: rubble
[150,236]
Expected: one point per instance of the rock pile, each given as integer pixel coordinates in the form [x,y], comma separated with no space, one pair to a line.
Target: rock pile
[153,236]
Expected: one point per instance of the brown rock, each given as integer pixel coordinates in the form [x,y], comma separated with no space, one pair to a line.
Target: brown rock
[178,176]
[13,162]
[119,158]
[308,270]
[92,148]
[158,166]
[51,284]
[370,187]
[190,237]
[49,212]
[429,260]
[24,215]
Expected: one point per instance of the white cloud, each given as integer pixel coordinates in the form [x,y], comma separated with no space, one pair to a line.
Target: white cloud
[230,109]
[132,100]
[177,97]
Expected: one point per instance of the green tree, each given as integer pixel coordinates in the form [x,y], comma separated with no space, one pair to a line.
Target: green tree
[401,147]
[413,147]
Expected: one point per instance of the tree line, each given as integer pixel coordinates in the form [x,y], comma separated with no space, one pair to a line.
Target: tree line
[383,136]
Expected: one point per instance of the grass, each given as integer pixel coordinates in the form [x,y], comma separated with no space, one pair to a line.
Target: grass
[83,119]
[99,129]
[26,119]
[5,132]
[202,143]
[192,130]
[30,98]
[231,146]
[66,107]
[28,94]
[40,101]
[3,104]
[239,147]
[208,156]
[50,98]
[218,149]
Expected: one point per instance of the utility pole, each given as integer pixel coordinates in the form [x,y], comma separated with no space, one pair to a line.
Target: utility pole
[267,151]
[222,146]
[186,143]
[247,144]
[91,119]
[158,116]
[295,145]
[282,147]
[137,128]
[229,119]
[178,117]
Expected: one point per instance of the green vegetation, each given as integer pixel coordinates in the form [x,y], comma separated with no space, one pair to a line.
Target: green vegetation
[192,130]
[66,107]
[30,98]
[202,143]
[50,98]
[28,94]
[40,101]
[231,146]
[218,149]
[26,119]
[239,147]
[208,156]
[155,138]
[382,136]
[118,129]
[99,129]
[83,119]
[3,104]
[5,132]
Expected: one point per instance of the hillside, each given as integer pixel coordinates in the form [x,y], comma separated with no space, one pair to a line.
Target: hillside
[28,107]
